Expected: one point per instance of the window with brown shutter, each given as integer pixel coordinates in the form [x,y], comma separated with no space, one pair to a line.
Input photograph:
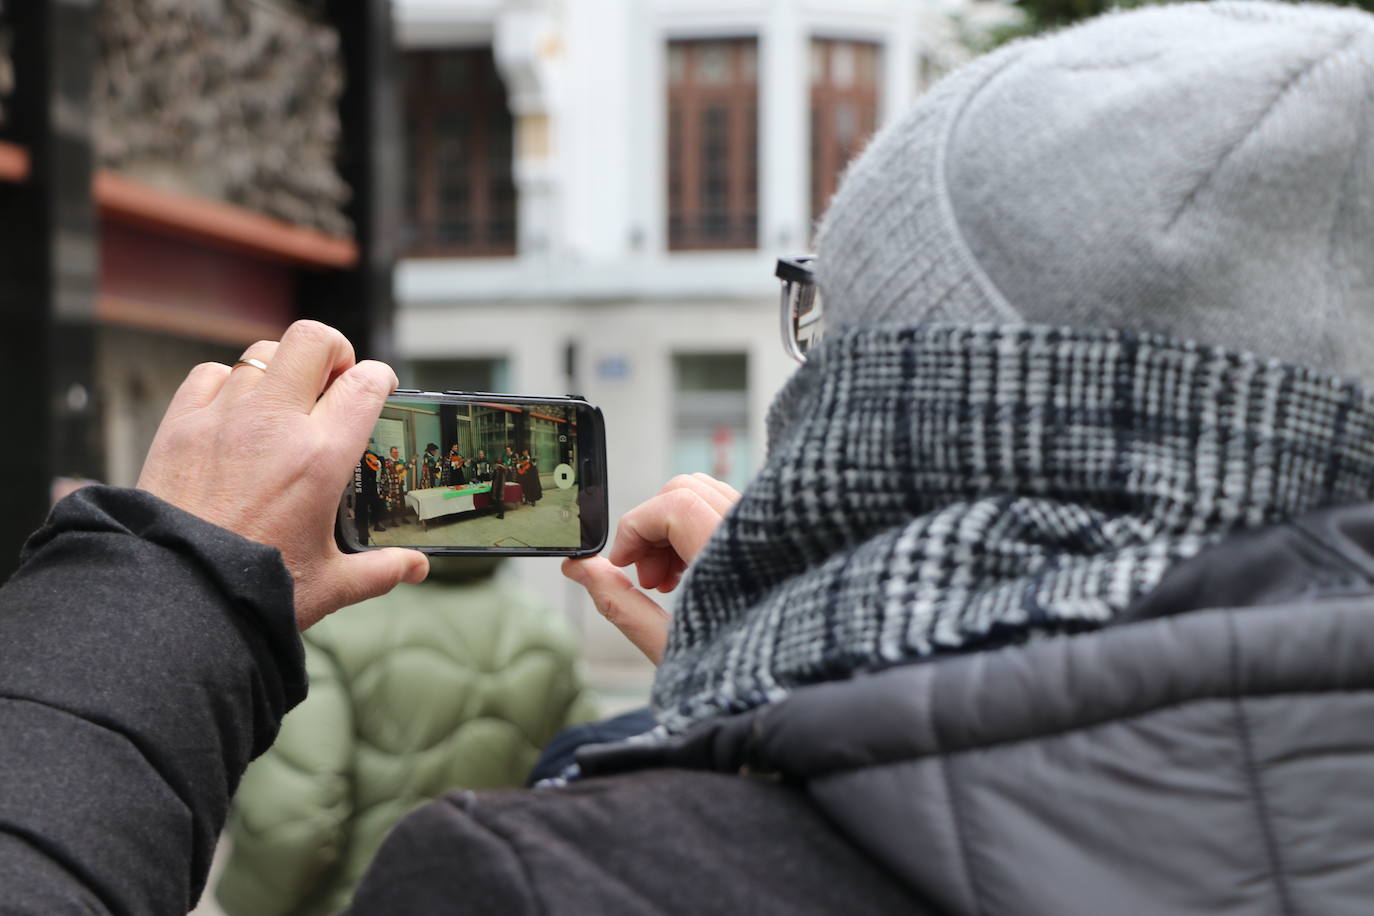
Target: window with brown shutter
[844,110]
[459,139]
[713,197]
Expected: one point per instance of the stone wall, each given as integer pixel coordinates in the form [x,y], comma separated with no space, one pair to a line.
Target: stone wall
[231,99]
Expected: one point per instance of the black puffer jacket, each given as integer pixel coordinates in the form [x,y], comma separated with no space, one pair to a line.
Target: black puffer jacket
[1213,753]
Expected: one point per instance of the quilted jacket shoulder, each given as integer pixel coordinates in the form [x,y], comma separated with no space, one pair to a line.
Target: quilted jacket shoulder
[431,688]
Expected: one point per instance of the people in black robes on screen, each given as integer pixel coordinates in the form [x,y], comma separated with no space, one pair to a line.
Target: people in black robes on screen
[431,467]
[521,468]
[481,468]
[498,489]
[371,503]
[527,475]
[455,467]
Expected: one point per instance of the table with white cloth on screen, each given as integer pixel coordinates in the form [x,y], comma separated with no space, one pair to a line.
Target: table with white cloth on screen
[434,502]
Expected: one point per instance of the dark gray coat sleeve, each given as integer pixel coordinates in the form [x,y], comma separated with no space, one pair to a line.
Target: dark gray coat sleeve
[145,657]
[654,843]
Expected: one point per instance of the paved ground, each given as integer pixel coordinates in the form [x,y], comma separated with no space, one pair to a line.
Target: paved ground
[552,522]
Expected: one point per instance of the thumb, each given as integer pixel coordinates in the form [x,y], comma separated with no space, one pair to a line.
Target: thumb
[376,572]
[359,576]
[634,613]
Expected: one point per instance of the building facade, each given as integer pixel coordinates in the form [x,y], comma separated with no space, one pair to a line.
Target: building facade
[179,180]
[597,194]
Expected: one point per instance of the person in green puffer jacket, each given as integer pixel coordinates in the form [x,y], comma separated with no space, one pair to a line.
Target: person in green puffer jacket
[455,683]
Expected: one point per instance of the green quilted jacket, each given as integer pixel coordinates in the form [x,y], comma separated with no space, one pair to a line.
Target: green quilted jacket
[446,685]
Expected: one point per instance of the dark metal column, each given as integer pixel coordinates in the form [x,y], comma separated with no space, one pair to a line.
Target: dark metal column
[48,267]
[359,302]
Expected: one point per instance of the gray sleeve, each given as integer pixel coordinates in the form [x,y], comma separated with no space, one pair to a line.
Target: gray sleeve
[145,657]
[441,859]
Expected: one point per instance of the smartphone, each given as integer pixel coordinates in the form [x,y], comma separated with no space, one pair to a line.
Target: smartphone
[461,473]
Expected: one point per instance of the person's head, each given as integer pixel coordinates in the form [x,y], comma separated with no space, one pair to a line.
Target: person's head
[1204,171]
[395,452]
[481,454]
[463,570]
[431,448]
[453,449]
[508,450]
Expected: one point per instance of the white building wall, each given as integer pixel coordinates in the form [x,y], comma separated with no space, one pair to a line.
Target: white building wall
[596,271]
[595,129]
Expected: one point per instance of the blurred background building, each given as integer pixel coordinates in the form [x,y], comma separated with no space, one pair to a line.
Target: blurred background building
[596,195]
[543,196]
[179,179]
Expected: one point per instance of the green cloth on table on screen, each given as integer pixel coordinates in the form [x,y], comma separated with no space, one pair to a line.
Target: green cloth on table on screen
[467,491]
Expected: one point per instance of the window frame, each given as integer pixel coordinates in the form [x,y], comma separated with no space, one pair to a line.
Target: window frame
[688,216]
[827,158]
[483,103]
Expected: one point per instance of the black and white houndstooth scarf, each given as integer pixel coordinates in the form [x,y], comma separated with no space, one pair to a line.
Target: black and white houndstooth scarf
[944,488]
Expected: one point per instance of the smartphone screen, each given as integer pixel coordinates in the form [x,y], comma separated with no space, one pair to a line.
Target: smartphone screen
[477,473]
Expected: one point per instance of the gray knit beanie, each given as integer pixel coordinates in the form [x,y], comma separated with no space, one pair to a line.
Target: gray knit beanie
[1204,171]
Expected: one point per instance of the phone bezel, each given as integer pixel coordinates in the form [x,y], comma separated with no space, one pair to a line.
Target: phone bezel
[591,447]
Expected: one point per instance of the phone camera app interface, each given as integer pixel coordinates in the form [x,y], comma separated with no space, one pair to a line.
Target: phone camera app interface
[470,475]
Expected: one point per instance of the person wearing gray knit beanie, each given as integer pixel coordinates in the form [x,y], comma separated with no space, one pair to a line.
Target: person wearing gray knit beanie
[1055,595]
[1056,592]
[1204,171]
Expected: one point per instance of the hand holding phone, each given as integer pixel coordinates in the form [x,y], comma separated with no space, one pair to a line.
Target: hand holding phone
[660,538]
[463,473]
[230,447]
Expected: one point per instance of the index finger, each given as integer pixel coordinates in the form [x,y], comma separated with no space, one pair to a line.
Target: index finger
[681,519]
[309,355]
[350,406]
[634,613]
[702,485]
[724,489]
